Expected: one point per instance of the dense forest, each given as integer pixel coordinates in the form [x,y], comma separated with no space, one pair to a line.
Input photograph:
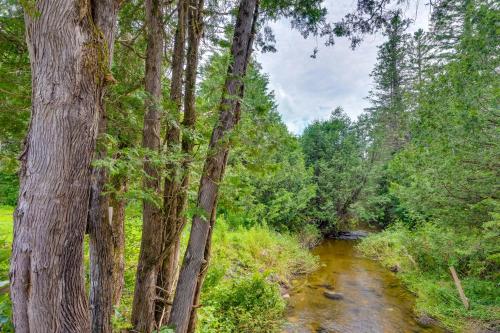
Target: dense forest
[149,184]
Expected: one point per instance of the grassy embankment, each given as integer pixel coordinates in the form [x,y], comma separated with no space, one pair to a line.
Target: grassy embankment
[242,288]
[423,256]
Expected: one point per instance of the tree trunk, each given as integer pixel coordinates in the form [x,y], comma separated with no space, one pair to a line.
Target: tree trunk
[169,250]
[69,65]
[193,318]
[147,268]
[100,225]
[195,32]
[177,207]
[118,206]
[106,247]
[214,166]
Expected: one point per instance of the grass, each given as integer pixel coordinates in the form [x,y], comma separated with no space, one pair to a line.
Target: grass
[5,250]
[5,240]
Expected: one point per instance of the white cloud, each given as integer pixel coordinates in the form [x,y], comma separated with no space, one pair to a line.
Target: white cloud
[308,89]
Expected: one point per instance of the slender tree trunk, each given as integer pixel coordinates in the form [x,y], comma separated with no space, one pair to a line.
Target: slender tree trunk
[100,225]
[106,245]
[169,262]
[214,166]
[118,223]
[177,207]
[147,268]
[69,66]
[195,32]
[193,318]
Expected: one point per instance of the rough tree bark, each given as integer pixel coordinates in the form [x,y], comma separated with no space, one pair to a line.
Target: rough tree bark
[118,206]
[103,227]
[193,317]
[106,248]
[147,268]
[69,65]
[170,243]
[214,166]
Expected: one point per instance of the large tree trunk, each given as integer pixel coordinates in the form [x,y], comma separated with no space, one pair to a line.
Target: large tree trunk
[214,166]
[69,65]
[147,268]
[170,246]
[101,225]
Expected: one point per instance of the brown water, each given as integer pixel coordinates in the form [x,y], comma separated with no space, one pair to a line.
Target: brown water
[374,300]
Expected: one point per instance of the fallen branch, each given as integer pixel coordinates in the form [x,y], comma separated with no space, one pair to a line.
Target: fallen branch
[464,299]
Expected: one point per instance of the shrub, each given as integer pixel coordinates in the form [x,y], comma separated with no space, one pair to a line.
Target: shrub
[244,305]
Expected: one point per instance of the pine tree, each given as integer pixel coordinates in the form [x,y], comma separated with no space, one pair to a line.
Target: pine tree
[447,26]
[391,83]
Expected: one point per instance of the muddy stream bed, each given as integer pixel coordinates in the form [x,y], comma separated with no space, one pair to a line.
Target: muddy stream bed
[350,294]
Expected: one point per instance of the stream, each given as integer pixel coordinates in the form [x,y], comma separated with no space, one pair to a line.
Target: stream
[363,297]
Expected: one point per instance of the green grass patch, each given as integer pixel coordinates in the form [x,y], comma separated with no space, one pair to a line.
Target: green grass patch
[5,240]
[6,226]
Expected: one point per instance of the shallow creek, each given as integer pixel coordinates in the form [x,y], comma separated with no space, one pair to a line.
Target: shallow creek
[368,298]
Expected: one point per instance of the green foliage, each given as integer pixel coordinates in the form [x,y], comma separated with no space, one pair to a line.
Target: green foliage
[441,184]
[333,149]
[15,89]
[246,305]
[133,232]
[6,325]
[448,172]
[266,181]
[9,185]
[5,240]
[5,250]
[241,290]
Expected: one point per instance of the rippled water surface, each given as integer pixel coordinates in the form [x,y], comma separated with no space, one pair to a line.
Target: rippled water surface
[373,299]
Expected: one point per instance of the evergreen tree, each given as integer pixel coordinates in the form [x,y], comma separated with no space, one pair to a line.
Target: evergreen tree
[332,149]
[447,26]
[391,83]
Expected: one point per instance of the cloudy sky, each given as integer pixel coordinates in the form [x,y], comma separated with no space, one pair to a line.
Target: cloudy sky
[308,89]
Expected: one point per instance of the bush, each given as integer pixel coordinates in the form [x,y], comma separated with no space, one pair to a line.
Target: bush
[248,266]
[245,305]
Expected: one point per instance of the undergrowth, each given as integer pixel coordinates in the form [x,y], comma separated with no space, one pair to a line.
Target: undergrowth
[242,289]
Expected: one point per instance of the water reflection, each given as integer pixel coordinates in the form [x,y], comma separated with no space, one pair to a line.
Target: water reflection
[373,300]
